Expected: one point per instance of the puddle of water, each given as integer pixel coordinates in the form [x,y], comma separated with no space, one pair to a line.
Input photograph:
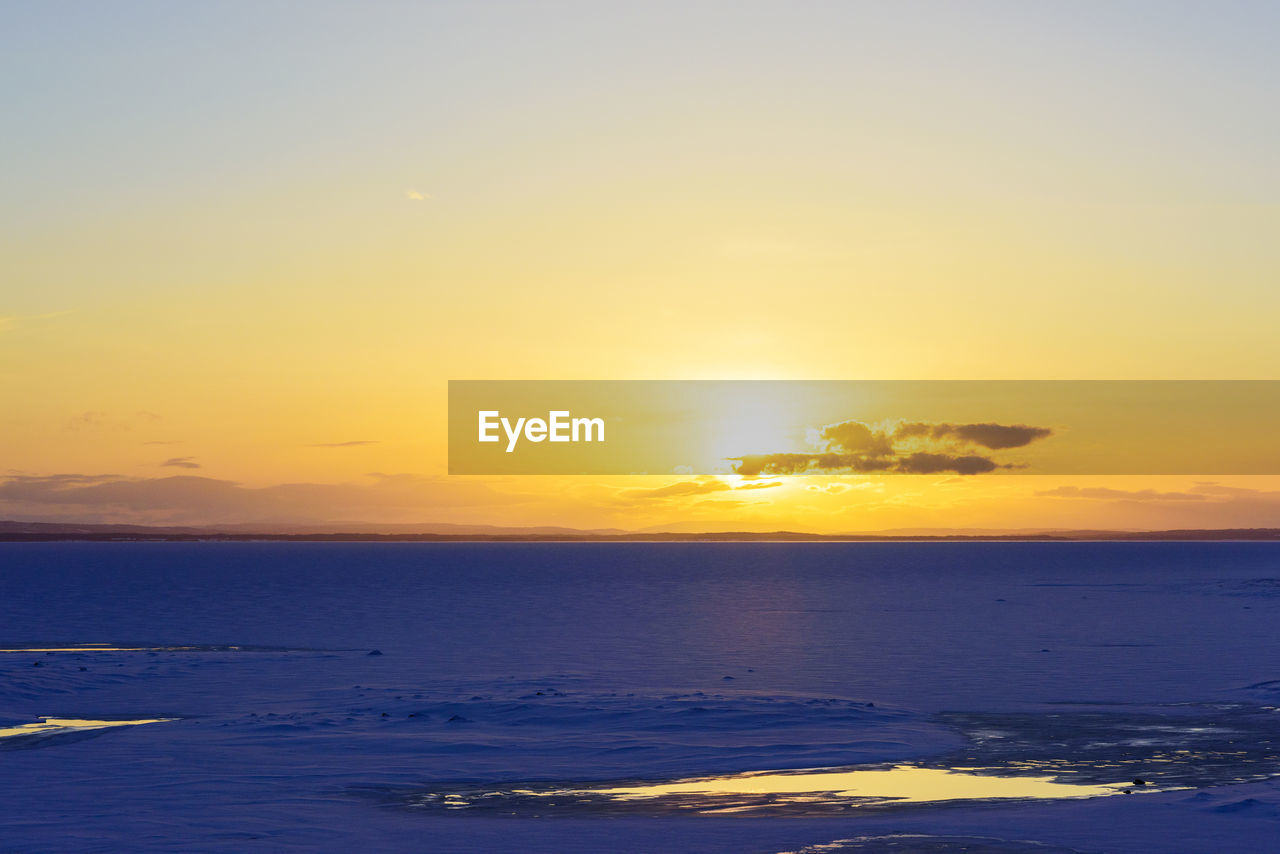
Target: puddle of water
[105,648]
[58,726]
[1071,751]
[819,790]
[916,843]
[902,783]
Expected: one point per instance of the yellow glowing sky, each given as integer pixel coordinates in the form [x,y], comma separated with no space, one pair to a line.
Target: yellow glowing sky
[245,232]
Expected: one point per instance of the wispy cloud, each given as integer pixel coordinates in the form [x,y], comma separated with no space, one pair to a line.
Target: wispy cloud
[96,420]
[181,463]
[11,321]
[416,196]
[93,420]
[830,488]
[192,499]
[704,485]
[1108,494]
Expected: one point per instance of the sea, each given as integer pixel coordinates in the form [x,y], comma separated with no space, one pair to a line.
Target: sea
[640,697]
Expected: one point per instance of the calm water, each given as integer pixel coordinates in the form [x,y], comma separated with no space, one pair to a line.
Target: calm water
[933,625]
[558,667]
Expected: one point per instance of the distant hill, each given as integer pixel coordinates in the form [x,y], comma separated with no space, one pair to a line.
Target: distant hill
[13,531]
[409,528]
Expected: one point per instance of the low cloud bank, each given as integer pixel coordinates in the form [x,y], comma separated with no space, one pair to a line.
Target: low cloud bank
[189,499]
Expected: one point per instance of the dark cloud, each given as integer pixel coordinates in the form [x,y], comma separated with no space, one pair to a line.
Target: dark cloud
[354,444]
[854,437]
[853,447]
[996,437]
[922,463]
[181,463]
[917,463]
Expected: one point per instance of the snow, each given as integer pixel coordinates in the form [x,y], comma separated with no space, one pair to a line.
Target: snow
[582,667]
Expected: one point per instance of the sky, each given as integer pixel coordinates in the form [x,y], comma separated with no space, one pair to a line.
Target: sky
[245,246]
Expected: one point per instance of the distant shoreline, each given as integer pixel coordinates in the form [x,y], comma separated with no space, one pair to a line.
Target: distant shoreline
[140,535]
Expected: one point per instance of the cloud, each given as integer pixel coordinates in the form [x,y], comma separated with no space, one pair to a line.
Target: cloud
[786,463]
[181,463]
[192,499]
[96,420]
[717,505]
[996,437]
[854,437]
[687,488]
[57,481]
[921,463]
[1212,488]
[682,489]
[415,196]
[11,321]
[87,421]
[1204,505]
[828,463]
[1108,494]
[853,447]
[760,484]
[353,444]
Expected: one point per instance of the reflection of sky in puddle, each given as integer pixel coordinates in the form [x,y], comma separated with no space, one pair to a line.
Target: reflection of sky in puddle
[57,726]
[903,783]
[918,843]
[1072,751]
[106,647]
[771,792]
[97,648]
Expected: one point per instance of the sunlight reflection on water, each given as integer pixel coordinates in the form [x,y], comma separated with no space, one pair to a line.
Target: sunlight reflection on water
[820,789]
[904,783]
[57,726]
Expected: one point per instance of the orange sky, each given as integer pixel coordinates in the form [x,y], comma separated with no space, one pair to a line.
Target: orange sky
[241,262]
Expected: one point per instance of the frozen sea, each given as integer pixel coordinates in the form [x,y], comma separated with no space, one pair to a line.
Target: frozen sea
[597,697]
